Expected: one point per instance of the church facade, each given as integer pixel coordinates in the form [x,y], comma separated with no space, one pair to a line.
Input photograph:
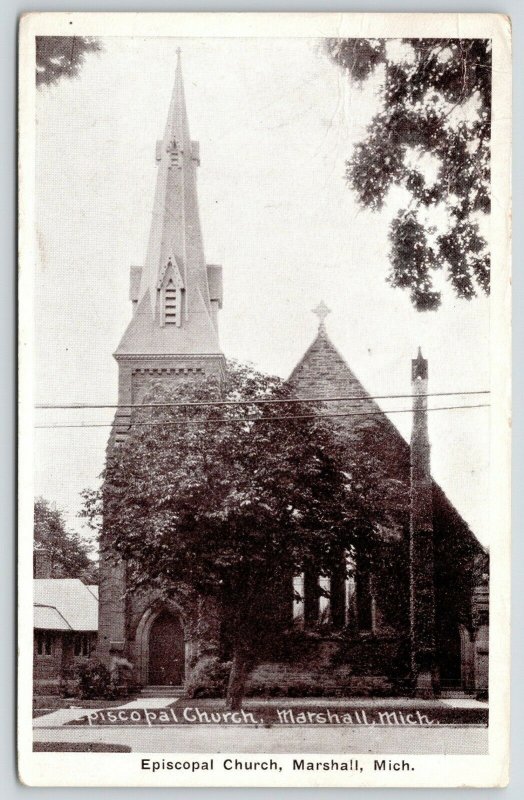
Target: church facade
[415,597]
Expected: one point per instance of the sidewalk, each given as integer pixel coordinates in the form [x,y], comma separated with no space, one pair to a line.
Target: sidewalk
[66,728]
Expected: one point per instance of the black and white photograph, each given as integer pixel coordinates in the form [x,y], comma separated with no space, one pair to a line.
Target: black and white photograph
[264,392]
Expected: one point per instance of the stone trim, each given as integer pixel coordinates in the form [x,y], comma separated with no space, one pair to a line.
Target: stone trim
[165,370]
[130,357]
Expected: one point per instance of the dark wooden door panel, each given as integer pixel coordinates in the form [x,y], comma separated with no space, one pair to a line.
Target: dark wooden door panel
[166,651]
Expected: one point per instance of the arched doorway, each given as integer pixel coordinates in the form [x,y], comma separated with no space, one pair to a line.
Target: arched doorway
[166,650]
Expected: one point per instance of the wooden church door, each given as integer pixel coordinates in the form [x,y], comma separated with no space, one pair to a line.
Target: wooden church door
[166,651]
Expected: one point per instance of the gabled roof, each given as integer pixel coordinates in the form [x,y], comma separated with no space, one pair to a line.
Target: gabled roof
[47,618]
[64,604]
[323,372]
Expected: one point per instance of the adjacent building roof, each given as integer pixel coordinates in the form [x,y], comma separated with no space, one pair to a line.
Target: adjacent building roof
[47,618]
[62,604]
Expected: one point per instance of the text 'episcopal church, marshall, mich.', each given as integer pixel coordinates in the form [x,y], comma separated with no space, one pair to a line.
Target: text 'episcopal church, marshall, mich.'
[419,596]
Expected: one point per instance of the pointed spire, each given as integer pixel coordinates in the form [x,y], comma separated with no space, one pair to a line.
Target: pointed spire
[419,367]
[177,127]
[174,193]
[175,253]
[419,379]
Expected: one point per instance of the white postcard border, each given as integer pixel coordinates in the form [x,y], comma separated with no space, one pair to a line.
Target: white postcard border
[70,769]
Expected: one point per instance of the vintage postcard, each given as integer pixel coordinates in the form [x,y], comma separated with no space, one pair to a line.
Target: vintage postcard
[264,399]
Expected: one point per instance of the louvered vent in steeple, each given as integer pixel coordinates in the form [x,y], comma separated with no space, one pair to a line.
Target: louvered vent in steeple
[171,305]
[171,288]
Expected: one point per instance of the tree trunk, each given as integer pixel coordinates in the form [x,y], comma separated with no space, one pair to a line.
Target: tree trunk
[238,676]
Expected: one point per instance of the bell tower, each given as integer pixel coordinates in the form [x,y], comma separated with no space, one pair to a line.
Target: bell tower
[175,295]
[173,331]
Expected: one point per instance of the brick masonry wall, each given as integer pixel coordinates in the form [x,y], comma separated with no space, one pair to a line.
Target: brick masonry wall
[353,666]
[62,659]
[323,372]
[281,679]
[49,666]
[118,616]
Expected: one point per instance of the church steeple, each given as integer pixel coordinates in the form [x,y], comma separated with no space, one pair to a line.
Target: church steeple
[167,241]
[176,295]
[172,337]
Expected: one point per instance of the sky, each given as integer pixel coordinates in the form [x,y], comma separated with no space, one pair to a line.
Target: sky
[276,122]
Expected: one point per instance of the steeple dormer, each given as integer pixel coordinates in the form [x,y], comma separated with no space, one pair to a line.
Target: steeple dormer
[170,288]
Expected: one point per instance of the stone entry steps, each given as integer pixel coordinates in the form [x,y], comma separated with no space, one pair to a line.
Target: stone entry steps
[162,691]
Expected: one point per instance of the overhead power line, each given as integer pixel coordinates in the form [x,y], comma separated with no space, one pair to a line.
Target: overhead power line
[357,397]
[227,420]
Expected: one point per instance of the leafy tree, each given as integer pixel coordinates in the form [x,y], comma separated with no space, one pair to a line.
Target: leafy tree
[195,499]
[435,105]
[68,553]
[62,56]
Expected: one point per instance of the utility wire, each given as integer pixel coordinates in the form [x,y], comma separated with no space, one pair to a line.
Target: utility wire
[128,424]
[74,406]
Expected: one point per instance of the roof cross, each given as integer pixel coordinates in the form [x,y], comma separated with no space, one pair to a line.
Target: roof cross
[321,311]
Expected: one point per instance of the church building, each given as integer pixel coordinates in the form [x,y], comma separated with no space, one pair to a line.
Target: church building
[418,597]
